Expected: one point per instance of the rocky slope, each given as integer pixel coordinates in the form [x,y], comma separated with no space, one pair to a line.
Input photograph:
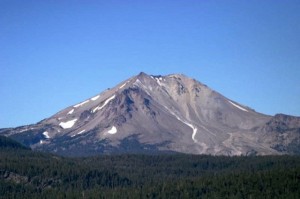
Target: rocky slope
[151,114]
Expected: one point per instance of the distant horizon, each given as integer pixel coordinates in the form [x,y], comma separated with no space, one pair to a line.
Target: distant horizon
[55,54]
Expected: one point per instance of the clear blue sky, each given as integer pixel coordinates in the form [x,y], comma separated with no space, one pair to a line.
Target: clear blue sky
[57,53]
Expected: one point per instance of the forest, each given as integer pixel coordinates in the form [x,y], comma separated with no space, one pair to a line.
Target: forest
[29,174]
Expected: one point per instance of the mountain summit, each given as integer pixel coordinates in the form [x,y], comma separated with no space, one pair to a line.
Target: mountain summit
[153,114]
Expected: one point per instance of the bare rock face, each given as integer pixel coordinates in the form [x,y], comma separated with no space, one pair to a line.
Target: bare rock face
[158,114]
[282,133]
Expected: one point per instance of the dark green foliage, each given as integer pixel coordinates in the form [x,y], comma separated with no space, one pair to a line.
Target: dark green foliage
[27,174]
[9,143]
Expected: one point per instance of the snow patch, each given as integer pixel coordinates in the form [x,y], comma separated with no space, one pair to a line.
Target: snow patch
[137,82]
[80,104]
[23,130]
[95,98]
[123,85]
[194,130]
[68,124]
[186,123]
[158,81]
[113,130]
[78,133]
[81,132]
[104,104]
[41,142]
[70,112]
[173,76]
[237,106]
[46,134]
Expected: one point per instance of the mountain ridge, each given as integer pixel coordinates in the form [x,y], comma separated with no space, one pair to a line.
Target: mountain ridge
[154,113]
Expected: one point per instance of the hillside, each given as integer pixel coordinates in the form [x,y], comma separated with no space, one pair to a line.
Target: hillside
[7,143]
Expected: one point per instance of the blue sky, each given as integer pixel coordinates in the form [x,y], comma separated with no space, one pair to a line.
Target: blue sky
[55,53]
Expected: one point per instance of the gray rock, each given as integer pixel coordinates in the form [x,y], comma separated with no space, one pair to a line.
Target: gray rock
[154,114]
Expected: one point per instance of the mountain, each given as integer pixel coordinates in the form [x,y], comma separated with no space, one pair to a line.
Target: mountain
[161,114]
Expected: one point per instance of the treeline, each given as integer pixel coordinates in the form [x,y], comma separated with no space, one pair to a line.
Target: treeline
[28,174]
[9,143]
